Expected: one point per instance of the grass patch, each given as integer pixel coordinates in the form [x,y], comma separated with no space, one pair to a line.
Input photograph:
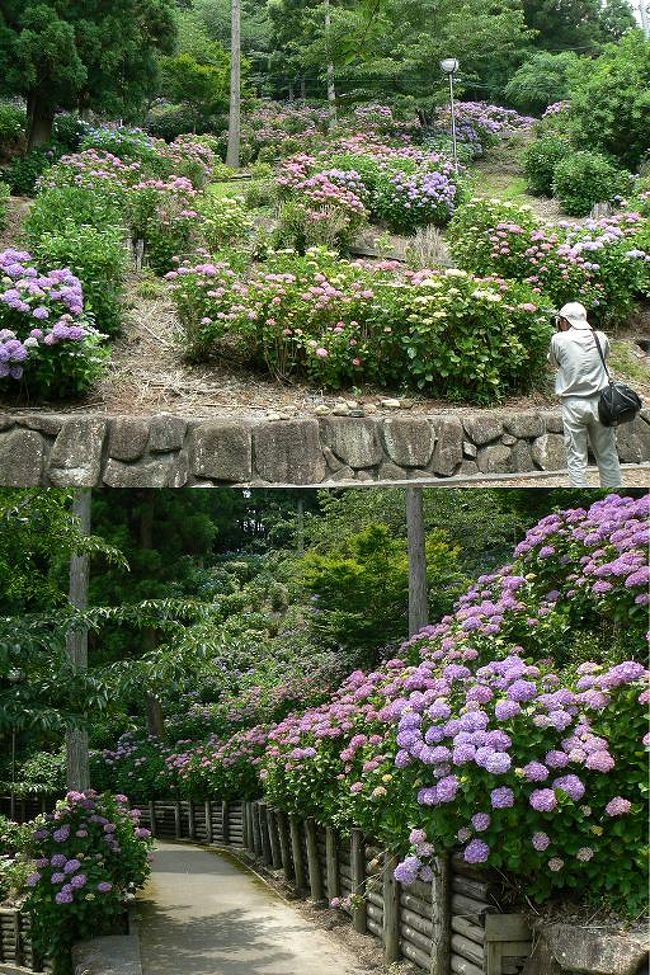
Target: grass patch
[505,186]
[625,363]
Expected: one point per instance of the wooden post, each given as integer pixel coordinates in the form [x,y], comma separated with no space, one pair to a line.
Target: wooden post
[441,916]
[177,819]
[313,861]
[208,821]
[267,857]
[418,592]
[257,838]
[244,825]
[276,856]
[296,850]
[152,817]
[225,813]
[191,822]
[18,943]
[358,870]
[332,859]
[249,826]
[390,928]
[285,847]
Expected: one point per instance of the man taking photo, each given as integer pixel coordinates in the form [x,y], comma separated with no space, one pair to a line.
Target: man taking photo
[579,380]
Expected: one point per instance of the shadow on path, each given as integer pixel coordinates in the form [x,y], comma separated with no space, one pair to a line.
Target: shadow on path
[202,914]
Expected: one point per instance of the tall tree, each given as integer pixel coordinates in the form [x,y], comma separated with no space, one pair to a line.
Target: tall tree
[78,762]
[62,54]
[418,590]
[234,119]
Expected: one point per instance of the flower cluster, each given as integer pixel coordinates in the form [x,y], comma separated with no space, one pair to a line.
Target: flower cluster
[480,125]
[43,326]
[221,769]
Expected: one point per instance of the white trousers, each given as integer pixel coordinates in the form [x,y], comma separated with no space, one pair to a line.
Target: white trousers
[581,428]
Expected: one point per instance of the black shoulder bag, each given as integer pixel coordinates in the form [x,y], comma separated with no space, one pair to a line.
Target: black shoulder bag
[617,403]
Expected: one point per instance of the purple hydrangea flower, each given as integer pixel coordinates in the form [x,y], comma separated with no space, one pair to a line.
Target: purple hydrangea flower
[476,851]
[543,800]
[502,798]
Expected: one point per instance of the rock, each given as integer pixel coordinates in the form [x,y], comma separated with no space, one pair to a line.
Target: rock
[549,453]
[508,440]
[522,457]
[128,438]
[272,415]
[633,440]
[170,471]
[344,474]
[391,404]
[364,476]
[322,410]
[495,459]
[553,422]
[222,450]
[332,460]
[358,411]
[355,442]
[594,952]
[290,452]
[448,453]
[469,450]
[468,468]
[7,422]
[342,410]
[351,404]
[525,425]
[76,456]
[483,428]
[47,423]
[166,433]
[542,962]
[370,408]
[391,472]
[407,404]
[409,440]
[21,458]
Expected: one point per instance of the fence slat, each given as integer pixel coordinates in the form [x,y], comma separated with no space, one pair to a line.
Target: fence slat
[390,928]
[225,811]
[313,861]
[285,848]
[358,867]
[441,916]
[296,850]
[332,861]
[276,856]
[208,821]
[266,839]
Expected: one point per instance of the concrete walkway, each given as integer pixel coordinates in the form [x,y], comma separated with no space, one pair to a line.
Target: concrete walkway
[204,914]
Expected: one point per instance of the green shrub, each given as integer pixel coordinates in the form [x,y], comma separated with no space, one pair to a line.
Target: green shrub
[23,171]
[12,127]
[225,220]
[4,197]
[68,131]
[540,160]
[473,228]
[610,109]
[583,179]
[541,81]
[130,145]
[169,121]
[77,205]
[99,258]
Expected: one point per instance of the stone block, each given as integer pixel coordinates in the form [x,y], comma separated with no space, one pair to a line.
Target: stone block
[633,440]
[21,458]
[222,450]
[171,471]
[332,461]
[364,475]
[391,472]
[483,428]
[525,425]
[549,453]
[469,449]
[409,440]
[7,422]
[508,440]
[355,442]
[343,475]
[448,453]
[592,952]
[522,457]
[289,452]
[495,459]
[47,423]
[127,439]
[553,422]
[166,433]
[469,468]
[76,456]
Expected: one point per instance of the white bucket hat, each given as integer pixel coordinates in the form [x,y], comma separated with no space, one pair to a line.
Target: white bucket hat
[575,314]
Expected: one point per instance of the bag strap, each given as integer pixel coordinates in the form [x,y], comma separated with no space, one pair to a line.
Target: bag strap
[600,353]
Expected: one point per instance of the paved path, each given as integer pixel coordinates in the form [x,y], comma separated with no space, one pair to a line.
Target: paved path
[204,914]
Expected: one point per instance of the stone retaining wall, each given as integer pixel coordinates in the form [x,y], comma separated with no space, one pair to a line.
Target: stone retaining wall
[170,451]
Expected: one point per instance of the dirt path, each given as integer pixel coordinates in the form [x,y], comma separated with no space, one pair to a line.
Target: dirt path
[205,914]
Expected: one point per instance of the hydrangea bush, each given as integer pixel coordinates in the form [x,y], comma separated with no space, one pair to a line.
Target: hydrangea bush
[48,343]
[221,769]
[88,857]
[339,322]
[136,766]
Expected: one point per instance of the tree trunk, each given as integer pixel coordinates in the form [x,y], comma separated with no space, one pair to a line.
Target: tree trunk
[39,122]
[234,121]
[155,717]
[303,89]
[418,594]
[331,88]
[300,527]
[78,764]
[291,92]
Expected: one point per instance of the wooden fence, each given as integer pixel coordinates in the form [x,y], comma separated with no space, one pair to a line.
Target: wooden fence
[15,941]
[451,925]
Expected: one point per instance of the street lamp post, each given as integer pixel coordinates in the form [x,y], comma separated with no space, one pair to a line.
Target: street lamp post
[449,66]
